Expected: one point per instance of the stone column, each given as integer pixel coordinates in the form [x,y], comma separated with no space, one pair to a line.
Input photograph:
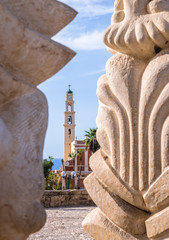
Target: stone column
[63,184]
[130,178]
[76,167]
[75,181]
[86,160]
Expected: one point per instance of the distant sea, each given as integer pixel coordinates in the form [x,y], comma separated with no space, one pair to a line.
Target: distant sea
[57,164]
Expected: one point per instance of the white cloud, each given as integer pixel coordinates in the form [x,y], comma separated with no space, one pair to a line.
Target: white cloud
[86,41]
[85,32]
[99,71]
[90,8]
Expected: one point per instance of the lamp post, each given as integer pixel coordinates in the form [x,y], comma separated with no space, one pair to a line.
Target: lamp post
[62,164]
[67,177]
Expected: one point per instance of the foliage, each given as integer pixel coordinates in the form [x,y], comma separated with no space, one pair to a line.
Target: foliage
[91,140]
[79,153]
[53,182]
[72,155]
[71,186]
[47,166]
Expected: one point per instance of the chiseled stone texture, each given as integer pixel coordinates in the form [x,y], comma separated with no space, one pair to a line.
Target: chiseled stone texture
[158,224]
[66,198]
[100,227]
[28,57]
[64,224]
[130,178]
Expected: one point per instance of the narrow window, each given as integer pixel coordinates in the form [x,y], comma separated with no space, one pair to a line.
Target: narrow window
[69,120]
[69,108]
[69,131]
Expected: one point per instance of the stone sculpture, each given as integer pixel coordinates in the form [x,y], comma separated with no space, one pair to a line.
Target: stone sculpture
[130,179]
[28,57]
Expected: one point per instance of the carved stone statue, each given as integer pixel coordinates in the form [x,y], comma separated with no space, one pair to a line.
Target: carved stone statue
[27,57]
[130,179]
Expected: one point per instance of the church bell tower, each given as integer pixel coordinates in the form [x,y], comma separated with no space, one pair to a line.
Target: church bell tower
[69,123]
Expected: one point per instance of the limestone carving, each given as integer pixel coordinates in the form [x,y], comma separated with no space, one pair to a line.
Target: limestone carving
[130,179]
[28,57]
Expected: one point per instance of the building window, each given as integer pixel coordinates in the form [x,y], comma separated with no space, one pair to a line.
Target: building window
[69,131]
[69,120]
[69,108]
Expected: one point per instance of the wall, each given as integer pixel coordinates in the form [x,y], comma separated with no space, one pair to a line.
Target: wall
[65,198]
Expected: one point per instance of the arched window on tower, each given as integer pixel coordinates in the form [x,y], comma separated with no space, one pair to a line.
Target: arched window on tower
[69,131]
[69,120]
[69,108]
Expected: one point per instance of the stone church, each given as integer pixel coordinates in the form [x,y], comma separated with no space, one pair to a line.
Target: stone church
[77,168]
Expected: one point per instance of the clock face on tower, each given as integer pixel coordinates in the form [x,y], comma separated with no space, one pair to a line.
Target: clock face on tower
[69,96]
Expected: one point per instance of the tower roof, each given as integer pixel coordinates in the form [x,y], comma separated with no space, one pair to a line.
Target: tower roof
[69,91]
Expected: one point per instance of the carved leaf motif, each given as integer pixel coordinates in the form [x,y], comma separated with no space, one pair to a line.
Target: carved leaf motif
[143,31]
[132,117]
[123,83]
[133,126]
[133,132]
[153,113]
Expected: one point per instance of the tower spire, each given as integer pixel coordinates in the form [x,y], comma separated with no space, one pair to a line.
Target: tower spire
[69,90]
[69,123]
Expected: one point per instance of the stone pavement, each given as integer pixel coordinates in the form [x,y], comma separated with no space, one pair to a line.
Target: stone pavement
[64,224]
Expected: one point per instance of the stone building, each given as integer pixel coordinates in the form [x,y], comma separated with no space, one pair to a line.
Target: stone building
[79,165]
[69,123]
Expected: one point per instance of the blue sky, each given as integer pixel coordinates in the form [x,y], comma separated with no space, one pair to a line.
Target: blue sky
[84,36]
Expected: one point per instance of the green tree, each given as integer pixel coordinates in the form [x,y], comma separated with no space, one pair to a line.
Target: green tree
[53,182]
[72,155]
[91,140]
[47,166]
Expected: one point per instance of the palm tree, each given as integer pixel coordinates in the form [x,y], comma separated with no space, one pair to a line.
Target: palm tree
[72,155]
[91,140]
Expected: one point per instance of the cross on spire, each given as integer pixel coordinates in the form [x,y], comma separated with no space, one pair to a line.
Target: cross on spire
[69,91]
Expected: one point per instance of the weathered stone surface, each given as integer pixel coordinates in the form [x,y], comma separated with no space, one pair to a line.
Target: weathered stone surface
[66,198]
[157,197]
[142,30]
[158,224]
[24,210]
[6,144]
[100,227]
[105,173]
[28,57]
[117,210]
[47,17]
[117,92]
[131,168]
